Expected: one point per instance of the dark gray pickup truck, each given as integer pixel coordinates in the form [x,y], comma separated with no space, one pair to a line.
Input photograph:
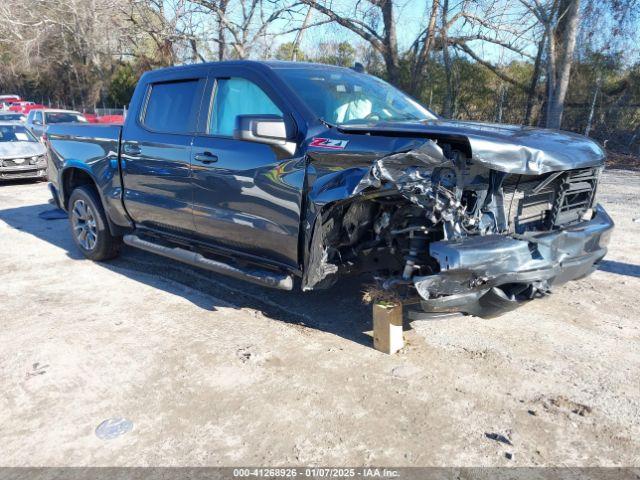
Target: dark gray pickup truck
[275,171]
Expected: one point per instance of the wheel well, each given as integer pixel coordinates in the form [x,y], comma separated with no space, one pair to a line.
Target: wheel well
[73,178]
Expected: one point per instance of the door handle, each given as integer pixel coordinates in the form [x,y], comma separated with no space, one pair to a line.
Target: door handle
[206,157]
[131,149]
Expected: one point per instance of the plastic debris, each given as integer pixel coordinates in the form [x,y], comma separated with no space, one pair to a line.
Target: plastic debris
[113,428]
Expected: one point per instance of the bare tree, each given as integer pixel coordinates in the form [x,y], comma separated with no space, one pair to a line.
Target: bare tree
[561,21]
[243,24]
[421,49]
[74,40]
[532,92]
[360,22]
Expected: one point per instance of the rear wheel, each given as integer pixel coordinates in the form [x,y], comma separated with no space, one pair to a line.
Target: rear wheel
[89,225]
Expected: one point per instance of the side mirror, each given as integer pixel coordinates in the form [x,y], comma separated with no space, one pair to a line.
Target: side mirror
[37,122]
[268,129]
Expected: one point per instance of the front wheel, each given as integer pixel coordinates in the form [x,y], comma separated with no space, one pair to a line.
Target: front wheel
[89,226]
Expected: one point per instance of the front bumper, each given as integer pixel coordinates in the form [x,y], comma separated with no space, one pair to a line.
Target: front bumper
[23,171]
[490,275]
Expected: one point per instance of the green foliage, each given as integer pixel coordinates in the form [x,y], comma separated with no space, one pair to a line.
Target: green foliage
[341,54]
[122,84]
[286,50]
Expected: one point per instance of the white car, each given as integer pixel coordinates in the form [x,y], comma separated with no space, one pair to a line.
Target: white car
[38,119]
[21,154]
[12,117]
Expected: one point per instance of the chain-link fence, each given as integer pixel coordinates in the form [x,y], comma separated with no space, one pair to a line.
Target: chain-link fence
[615,126]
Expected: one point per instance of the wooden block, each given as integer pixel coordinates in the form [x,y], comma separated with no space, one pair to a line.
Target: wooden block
[387,327]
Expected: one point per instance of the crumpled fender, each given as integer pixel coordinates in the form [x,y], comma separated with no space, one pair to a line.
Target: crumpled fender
[332,184]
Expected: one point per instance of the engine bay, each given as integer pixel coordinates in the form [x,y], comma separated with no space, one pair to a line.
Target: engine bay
[408,206]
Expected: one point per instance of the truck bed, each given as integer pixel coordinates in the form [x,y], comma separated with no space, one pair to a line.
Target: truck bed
[87,149]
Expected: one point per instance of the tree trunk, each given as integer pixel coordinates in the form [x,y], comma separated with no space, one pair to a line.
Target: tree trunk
[501,98]
[298,39]
[391,57]
[533,86]
[447,104]
[221,27]
[562,47]
[422,56]
[592,110]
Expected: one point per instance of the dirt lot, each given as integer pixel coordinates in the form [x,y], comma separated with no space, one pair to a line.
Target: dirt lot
[217,372]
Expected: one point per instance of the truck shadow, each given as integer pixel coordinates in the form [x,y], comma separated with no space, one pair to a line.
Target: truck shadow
[620,268]
[338,310]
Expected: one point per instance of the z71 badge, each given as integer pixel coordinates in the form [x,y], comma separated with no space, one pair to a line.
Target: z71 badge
[329,143]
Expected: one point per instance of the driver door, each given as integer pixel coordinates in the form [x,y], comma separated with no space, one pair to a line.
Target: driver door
[246,195]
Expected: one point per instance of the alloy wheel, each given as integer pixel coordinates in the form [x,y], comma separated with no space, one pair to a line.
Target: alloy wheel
[84,224]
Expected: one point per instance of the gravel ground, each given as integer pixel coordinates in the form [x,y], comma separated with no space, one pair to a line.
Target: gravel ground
[212,371]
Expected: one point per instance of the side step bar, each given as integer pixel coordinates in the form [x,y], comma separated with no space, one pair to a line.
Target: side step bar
[265,278]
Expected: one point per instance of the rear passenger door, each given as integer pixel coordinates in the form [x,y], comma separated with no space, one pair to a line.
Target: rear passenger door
[247,195]
[156,149]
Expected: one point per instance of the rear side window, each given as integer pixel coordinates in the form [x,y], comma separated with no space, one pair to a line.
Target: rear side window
[172,107]
[237,96]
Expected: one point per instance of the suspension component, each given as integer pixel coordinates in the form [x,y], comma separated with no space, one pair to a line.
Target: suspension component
[417,243]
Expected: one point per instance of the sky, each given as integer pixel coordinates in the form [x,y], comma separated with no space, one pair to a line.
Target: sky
[412,16]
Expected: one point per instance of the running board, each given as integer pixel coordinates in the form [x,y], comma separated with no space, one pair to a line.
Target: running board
[265,278]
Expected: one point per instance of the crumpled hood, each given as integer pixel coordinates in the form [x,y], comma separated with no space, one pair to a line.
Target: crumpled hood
[506,148]
[21,149]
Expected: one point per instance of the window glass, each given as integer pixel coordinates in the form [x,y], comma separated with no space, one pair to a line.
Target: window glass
[64,117]
[37,117]
[342,96]
[15,133]
[16,117]
[237,96]
[172,106]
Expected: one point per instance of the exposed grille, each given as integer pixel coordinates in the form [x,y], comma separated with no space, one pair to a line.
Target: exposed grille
[16,162]
[19,174]
[537,203]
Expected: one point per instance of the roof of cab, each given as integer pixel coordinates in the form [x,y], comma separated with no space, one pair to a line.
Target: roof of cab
[55,110]
[257,64]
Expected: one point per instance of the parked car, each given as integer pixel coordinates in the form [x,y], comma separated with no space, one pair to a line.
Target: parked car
[12,117]
[21,155]
[113,119]
[39,120]
[32,106]
[268,171]
[24,107]
[7,100]
[91,117]
[19,106]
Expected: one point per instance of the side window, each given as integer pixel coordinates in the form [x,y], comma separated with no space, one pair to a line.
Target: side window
[172,107]
[38,117]
[237,96]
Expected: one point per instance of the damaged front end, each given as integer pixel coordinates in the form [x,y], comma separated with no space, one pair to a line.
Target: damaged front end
[455,235]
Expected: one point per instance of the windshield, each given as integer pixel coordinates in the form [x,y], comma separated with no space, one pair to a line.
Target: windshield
[345,96]
[15,133]
[11,117]
[64,117]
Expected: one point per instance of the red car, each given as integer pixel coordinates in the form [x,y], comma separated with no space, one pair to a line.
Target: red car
[24,107]
[112,119]
[91,117]
[32,106]
[7,100]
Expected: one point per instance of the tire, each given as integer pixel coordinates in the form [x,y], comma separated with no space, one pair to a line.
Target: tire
[89,227]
